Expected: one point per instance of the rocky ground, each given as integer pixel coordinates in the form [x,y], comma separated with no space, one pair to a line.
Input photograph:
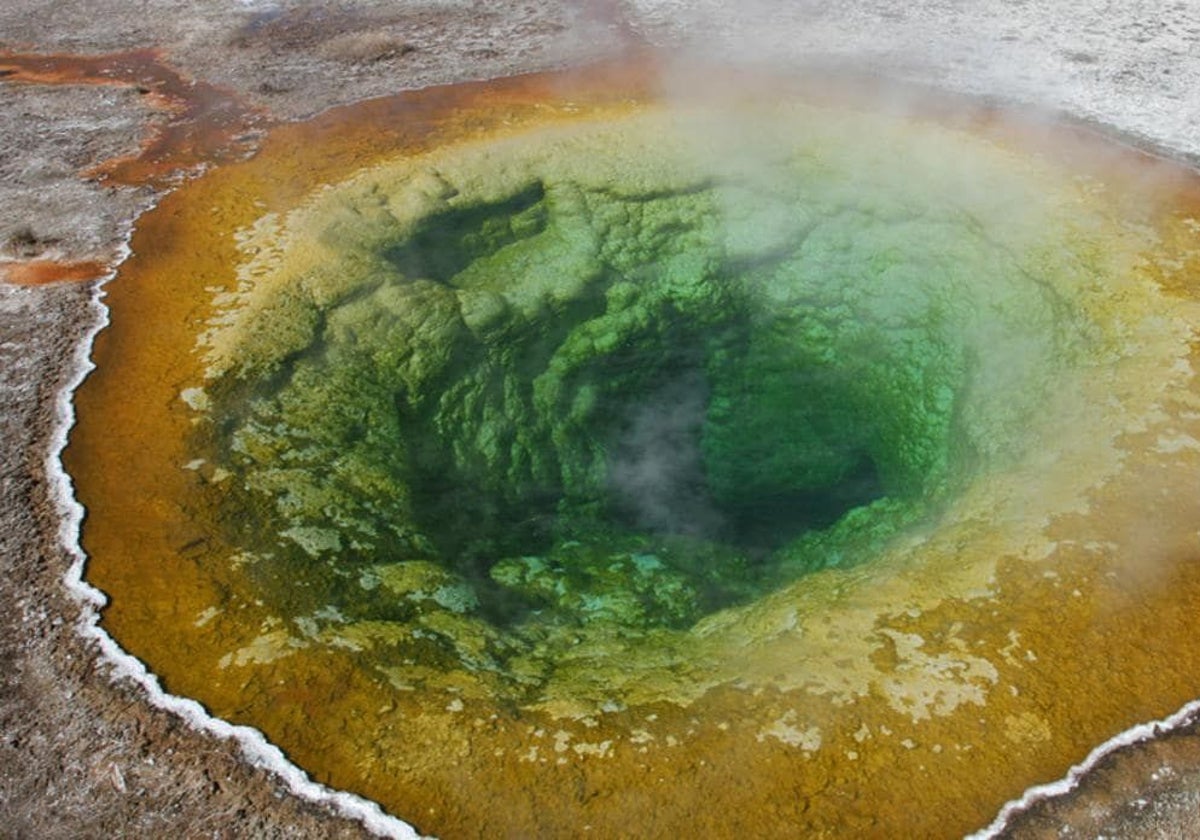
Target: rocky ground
[82,755]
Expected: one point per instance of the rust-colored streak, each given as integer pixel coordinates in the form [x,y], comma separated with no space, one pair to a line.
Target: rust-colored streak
[205,123]
[45,272]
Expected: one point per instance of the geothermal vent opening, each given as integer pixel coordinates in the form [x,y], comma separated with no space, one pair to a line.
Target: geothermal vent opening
[584,380]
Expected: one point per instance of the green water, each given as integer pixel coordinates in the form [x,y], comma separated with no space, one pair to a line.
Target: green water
[601,382]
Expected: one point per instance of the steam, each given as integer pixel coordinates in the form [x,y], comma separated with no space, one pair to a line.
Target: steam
[656,472]
[1116,63]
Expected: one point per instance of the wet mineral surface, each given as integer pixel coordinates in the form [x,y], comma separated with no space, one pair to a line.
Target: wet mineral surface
[521,454]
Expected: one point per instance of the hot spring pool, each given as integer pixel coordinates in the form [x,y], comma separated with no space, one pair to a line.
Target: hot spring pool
[551,453]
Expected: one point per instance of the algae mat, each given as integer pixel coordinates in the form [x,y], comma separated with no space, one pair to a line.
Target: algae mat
[553,454]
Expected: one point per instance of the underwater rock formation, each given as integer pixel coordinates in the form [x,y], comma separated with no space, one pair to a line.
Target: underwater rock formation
[624,373]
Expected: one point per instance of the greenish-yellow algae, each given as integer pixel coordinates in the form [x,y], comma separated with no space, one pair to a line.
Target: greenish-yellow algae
[598,381]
